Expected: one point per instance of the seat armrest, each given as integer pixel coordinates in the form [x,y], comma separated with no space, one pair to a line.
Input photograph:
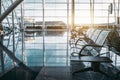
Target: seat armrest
[74,54]
[80,39]
[91,45]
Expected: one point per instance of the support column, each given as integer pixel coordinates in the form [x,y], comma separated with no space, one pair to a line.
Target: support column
[92,12]
[73,15]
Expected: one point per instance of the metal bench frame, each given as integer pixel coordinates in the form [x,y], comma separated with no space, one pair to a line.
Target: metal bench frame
[95,59]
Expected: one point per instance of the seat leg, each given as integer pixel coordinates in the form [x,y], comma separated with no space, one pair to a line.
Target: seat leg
[82,70]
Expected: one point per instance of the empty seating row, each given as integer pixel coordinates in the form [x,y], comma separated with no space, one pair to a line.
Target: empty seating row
[94,45]
[91,40]
[91,47]
[85,38]
[76,37]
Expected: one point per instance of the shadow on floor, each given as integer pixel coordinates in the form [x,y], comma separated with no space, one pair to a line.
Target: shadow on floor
[65,73]
[19,74]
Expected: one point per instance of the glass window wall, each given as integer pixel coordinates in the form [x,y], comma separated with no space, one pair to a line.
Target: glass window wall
[52,48]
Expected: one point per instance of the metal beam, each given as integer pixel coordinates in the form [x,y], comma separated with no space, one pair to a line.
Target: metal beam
[10,9]
[15,13]
[1,40]
[6,17]
[12,56]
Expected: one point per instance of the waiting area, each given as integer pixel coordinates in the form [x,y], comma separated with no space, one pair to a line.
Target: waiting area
[59,39]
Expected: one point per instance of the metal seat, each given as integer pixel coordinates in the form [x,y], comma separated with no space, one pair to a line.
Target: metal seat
[94,50]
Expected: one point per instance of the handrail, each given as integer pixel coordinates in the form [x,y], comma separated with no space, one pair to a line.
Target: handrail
[12,56]
[9,9]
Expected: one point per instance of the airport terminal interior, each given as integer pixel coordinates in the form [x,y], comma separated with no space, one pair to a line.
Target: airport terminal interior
[59,40]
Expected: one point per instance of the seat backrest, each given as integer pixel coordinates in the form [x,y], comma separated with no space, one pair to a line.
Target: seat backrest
[100,41]
[90,32]
[102,37]
[119,32]
[95,35]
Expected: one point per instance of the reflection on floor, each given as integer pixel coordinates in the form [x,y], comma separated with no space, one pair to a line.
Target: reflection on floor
[54,73]
[55,49]
[64,73]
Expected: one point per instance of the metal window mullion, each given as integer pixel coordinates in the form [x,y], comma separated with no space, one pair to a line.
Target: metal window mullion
[6,17]
[13,33]
[44,52]
[67,55]
[22,29]
[13,30]
[15,13]
[114,11]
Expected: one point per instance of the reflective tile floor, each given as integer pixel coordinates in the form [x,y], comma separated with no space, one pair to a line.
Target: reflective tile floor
[64,73]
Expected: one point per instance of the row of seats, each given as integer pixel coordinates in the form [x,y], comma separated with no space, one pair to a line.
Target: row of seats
[86,37]
[75,37]
[96,37]
[87,49]
[91,44]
